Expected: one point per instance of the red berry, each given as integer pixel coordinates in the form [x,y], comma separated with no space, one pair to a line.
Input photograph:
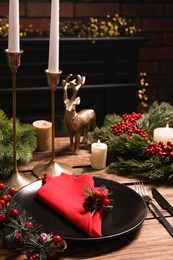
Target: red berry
[171,155]
[57,239]
[2,202]
[12,190]
[4,197]
[104,195]
[14,212]
[9,197]
[29,224]
[18,237]
[106,202]
[33,257]
[2,186]
[97,194]
[3,218]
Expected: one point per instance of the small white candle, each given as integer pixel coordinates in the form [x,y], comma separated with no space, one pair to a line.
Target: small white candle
[14,31]
[98,155]
[53,63]
[44,135]
[163,134]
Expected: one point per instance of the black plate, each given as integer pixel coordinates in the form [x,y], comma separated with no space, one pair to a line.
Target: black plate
[127,215]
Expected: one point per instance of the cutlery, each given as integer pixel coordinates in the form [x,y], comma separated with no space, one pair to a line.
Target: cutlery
[141,190]
[162,201]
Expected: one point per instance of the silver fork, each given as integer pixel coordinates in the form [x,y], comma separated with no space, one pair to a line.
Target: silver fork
[141,190]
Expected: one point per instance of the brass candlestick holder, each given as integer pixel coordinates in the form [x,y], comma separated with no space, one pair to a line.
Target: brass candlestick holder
[53,168]
[21,179]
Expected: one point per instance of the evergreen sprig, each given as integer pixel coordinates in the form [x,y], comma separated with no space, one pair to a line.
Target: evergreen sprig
[26,143]
[127,154]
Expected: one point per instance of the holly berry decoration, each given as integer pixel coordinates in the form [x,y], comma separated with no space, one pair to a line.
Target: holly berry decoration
[45,246]
[129,125]
[96,199]
[22,232]
[163,151]
[6,209]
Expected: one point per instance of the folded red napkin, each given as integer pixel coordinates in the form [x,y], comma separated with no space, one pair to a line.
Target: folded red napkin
[64,193]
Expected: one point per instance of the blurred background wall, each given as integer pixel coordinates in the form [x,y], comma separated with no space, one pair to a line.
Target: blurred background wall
[154,17]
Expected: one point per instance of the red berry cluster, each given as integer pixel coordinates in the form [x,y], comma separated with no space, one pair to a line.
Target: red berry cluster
[96,199]
[19,234]
[163,151]
[133,117]
[128,126]
[47,241]
[6,195]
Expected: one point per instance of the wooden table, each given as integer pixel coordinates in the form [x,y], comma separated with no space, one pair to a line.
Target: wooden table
[150,241]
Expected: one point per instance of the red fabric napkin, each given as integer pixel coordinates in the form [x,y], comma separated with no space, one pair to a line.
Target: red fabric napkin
[64,193]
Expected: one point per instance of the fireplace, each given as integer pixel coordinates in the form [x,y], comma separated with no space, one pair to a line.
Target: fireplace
[109,64]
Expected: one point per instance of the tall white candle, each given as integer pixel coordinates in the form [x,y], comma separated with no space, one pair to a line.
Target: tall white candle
[163,134]
[14,31]
[98,155]
[53,63]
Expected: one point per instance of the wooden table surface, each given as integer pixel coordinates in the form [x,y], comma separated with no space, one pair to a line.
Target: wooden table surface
[150,241]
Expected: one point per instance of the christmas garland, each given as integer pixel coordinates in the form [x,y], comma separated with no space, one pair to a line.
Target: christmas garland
[131,149]
[26,143]
[20,231]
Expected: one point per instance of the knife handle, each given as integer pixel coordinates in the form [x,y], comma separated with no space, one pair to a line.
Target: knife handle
[163,219]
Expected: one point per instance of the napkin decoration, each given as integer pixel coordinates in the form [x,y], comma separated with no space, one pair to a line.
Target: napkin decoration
[71,196]
[96,199]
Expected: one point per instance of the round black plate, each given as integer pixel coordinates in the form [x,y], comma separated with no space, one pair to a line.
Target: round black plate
[128,213]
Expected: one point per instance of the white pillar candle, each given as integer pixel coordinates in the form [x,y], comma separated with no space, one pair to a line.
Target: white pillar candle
[14,31]
[98,155]
[44,135]
[53,63]
[163,134]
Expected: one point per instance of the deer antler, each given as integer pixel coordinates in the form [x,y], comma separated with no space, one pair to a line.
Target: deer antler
[76,85]
[65,85]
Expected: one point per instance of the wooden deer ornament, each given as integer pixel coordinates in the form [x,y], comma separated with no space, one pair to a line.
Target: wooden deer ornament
[76,122]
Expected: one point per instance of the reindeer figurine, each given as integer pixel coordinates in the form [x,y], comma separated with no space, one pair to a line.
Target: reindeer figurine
[74,121]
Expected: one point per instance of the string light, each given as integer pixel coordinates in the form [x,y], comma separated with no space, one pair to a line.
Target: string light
[142,92]
[94,27]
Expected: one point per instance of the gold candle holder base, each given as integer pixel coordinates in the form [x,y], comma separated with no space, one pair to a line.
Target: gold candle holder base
[20,179]
[53,168]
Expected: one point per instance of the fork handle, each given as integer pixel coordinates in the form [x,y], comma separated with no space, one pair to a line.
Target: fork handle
[163,219]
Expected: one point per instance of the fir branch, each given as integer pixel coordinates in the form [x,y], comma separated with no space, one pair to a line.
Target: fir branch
[111,119]
[26,143]
[151,169]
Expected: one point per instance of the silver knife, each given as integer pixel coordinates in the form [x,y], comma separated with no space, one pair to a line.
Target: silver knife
[162,201]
